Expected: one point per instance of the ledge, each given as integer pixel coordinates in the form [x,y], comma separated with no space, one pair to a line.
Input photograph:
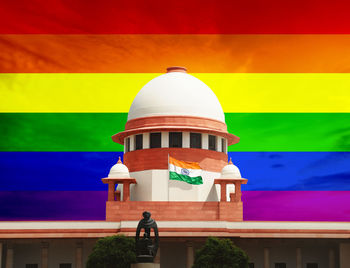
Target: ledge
[245,229]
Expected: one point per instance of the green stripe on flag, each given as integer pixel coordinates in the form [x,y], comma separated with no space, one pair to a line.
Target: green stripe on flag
[191,180]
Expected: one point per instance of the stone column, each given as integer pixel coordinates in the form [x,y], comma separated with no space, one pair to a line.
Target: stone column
[223,192]
[190,255]
[232,197]
[44,255]
[331,258]
[126,191]
[205,141]
[344,255]
[164,139]
[238,192]
[218,144]
[132,143]
[111,190]
[9,256]
[266,258]
[186,139]
[145,140]
[79,255]
[0,254]
[118,196]
[299,258]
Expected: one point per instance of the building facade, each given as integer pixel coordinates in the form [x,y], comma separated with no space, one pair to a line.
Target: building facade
[177,115]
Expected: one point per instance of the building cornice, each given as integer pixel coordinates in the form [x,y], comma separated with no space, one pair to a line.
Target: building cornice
[245,229]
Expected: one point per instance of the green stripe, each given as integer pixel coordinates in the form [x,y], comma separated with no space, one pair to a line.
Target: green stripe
[259,132]
[291,132]
[191,180]
[60,131]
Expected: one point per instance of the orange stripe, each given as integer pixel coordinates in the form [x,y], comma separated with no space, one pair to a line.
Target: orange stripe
[153,53]
[184,164]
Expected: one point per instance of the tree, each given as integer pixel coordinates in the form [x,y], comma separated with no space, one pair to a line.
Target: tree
[112,252]
[220,253]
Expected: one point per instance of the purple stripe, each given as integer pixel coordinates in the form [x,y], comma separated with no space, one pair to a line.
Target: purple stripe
[52,205]
[258,205]
[296,205]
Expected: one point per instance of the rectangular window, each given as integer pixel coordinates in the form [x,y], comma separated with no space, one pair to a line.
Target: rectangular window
[251,265]
[138,142]
[175,139]
[312,265]
[32,265]
[280,265]
[127,145]
[223,145]
[65,265]
[196,140]
[212,142]
[155,140]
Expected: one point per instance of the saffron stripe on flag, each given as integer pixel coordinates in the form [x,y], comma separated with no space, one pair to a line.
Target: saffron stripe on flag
[115,92]
[152,53]
[183,164]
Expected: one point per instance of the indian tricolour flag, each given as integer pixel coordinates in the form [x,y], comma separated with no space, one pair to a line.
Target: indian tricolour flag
[189,172]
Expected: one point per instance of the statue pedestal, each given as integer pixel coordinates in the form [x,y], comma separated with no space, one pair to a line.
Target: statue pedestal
[145,265]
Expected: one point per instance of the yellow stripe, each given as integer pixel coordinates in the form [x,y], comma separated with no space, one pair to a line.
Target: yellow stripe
[114,92]
[184,164]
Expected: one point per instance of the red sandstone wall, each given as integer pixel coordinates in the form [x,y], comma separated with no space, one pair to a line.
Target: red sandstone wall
[157,158]
[175,211]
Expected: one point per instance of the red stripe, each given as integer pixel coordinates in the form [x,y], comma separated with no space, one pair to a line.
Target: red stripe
[180,16]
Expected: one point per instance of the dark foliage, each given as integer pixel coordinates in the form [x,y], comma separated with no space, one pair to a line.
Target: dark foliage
[112,252]
[220,253]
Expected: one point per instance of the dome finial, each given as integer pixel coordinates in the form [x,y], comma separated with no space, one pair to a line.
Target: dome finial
[230,162]
[119,161]
[173,69]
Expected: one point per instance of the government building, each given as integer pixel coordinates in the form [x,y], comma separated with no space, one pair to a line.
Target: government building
[176,116]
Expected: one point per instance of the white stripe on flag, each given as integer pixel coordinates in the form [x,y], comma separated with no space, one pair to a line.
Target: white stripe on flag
[188,172]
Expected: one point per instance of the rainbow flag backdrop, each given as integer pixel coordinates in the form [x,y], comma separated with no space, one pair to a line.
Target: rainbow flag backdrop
[70,70]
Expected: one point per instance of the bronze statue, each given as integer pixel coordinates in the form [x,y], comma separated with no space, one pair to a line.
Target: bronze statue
[146,248]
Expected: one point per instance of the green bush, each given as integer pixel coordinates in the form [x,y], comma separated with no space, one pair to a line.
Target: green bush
[112,252]
[220,253]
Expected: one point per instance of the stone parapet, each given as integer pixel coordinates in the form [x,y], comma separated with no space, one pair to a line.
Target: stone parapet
[175,211]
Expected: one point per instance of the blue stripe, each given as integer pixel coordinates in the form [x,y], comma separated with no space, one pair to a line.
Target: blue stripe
[294,171]
[82,171]
[55,171]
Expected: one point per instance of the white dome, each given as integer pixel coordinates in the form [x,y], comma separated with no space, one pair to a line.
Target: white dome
[231,171]
[119,170]
[176,93]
